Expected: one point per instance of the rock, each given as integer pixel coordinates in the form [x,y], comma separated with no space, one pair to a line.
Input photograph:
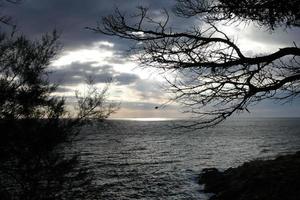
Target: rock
[212,178]
[276,179]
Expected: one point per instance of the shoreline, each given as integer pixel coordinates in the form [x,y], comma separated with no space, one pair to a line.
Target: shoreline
[273,179]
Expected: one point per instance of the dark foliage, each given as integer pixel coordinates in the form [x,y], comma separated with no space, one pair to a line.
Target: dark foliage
[36,162]
[36,131]
[269,13]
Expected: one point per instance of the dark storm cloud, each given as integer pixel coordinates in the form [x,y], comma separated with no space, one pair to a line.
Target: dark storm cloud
[70,17]
[36,17]
[77,73]
[126,78]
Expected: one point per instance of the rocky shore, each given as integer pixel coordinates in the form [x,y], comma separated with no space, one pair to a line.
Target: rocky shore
[277,179]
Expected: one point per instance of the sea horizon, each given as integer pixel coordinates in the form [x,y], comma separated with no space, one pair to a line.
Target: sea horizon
[187,119]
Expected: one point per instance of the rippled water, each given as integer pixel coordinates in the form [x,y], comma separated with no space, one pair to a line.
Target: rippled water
[150,160]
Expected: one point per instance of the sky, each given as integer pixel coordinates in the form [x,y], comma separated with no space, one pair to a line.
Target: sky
[138,90]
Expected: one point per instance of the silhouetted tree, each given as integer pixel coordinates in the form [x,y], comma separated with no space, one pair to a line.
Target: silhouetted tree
[269,13]
[210,75]
[36,130]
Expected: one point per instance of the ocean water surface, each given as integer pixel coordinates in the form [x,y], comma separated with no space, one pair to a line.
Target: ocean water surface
[148,159]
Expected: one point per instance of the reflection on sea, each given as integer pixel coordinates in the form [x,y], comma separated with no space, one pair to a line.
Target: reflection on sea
[142,159]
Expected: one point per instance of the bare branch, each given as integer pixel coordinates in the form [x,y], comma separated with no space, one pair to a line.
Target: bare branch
[212,78]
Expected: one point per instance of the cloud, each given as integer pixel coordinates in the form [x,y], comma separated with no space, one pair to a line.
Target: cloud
[36,17]
[61,89]
[126,78]
[255,40]
[76,73]
[149,90]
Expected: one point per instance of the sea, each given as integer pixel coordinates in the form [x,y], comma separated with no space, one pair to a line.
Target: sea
[154,159]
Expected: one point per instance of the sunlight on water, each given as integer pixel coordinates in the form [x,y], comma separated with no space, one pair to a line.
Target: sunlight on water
[146,159]
[145,119]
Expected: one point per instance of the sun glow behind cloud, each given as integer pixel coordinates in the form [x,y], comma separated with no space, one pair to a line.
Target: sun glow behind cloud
[102,55]
[253,41]
[93,54]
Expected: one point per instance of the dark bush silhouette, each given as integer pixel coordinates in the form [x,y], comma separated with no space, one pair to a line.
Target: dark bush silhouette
[36,130]
[208,72]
